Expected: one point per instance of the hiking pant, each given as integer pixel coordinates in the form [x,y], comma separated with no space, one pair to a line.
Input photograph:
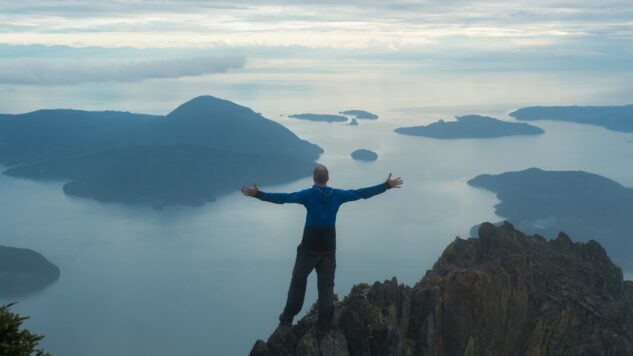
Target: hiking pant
[306,261]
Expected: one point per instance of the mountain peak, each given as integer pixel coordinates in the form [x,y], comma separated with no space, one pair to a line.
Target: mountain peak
[206,104]
[504,293]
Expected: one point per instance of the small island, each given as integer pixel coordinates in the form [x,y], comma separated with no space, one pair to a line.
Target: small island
[471,126]
[319,117]
[614,118]
[24,271]
[354,122]
[585,204]
[360,114]
[364,155]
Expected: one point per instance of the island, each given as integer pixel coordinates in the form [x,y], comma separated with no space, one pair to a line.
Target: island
[319,117]
[353,122]
[24,271]
[204,148]
[500,293]
[471,126]
[360,114]
[585,204]
[614,118]
[364,155]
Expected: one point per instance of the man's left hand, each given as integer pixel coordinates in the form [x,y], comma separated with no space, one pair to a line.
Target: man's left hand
[394,183]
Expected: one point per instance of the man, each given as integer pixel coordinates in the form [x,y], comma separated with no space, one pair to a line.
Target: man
[318,246]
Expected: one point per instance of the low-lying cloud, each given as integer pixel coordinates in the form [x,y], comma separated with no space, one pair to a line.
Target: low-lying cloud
[39,71]
[313,23]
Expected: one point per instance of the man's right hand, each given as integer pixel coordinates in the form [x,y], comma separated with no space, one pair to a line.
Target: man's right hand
[250,192]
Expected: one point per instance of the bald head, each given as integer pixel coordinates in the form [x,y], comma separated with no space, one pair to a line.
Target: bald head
[321,175]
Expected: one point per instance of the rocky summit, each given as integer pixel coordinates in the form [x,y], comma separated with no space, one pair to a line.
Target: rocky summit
[503,293]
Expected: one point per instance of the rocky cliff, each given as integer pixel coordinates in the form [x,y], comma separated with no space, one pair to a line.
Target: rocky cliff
[503,293]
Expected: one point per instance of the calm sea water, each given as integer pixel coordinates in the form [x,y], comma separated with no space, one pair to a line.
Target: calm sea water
[211,280]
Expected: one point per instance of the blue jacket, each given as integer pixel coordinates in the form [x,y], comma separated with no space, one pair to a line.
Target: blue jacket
[322,204]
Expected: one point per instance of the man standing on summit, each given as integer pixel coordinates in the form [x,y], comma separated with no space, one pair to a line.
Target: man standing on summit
[318,246]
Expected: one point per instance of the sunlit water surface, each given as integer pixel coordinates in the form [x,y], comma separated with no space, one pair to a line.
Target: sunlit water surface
[211,280]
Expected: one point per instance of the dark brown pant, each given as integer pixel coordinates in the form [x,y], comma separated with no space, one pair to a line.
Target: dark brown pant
[325,265]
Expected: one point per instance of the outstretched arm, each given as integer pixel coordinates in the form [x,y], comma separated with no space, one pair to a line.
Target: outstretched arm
[365,193]
[277,198]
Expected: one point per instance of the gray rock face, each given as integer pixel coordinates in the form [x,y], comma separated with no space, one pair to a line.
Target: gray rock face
[503,293]
[585,205]
[364,155]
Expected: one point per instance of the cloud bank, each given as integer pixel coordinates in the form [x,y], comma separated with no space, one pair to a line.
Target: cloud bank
[314,23]
[38,71]
[120,40]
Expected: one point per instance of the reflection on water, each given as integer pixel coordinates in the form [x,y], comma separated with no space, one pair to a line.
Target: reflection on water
[196,280]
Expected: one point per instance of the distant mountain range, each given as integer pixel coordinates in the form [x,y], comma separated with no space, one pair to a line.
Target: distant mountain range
[615,118]
[471,126]
[584,204]
[202,149]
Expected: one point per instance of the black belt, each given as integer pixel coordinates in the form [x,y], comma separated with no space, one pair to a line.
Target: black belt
[322,239]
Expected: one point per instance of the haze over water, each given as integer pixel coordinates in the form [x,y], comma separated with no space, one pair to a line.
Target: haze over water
[214,279]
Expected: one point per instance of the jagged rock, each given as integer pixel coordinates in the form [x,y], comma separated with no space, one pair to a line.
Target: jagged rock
[260,349]
[503,293]
[332,344]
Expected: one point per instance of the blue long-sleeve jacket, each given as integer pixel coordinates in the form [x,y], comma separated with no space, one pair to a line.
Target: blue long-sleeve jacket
[322,204]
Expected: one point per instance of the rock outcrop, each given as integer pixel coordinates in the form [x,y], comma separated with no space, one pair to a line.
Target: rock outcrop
[503,293]
[583,204]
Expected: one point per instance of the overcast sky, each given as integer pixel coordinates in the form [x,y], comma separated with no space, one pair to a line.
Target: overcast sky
[70,42]
[348,24]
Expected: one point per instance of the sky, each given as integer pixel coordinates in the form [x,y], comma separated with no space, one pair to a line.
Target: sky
[68,44]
